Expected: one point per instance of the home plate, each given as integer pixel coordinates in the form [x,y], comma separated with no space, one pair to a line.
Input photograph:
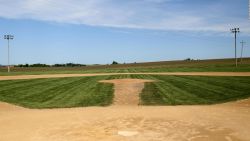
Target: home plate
[127,133]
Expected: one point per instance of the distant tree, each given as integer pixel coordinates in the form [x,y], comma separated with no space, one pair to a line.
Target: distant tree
[39,65]
[19,65]
[68,65]
[55,65]
[114,63]
[58,65]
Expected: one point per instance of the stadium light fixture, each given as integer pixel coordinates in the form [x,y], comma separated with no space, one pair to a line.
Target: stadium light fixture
[8,37]
[235,31]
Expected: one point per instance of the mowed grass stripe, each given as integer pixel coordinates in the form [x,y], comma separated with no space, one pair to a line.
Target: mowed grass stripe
[83,93]
[24,88]
[59,92]
[190,90]
[68,89]
[203,90]
[178,95]
[166,93]
[242,82]
[93,94]
[232,90]
[31,93]
[7,84]
[233,87]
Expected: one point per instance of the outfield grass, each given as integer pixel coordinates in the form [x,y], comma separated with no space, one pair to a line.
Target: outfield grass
[86,91]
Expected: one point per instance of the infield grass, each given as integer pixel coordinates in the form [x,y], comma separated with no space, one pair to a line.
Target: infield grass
[57,92]
[193,90]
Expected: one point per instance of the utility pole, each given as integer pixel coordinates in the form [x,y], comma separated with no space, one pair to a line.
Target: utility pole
[235,31]
[8,37]
[242,46]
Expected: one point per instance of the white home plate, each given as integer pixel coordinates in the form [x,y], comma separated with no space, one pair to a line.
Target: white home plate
[127,133]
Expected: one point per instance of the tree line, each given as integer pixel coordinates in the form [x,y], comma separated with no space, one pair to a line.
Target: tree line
[54,65]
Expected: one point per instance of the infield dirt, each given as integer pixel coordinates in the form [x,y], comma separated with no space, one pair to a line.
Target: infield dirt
[127,90]
[224,122]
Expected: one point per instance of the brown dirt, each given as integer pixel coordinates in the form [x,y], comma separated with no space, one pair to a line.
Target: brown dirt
[127,90]
[223,122]
[7,107]
[100,74]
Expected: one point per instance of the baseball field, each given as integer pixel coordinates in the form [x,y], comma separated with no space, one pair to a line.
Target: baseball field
[199,100]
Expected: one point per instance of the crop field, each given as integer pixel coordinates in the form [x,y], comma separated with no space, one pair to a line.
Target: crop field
[219,65]
[87,91]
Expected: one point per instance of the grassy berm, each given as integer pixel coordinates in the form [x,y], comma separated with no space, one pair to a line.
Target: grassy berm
[86,91]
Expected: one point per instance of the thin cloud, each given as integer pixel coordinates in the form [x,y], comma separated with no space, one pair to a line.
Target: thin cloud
[146,14]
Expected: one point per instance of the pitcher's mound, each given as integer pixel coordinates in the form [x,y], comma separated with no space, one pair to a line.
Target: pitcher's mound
[127,90]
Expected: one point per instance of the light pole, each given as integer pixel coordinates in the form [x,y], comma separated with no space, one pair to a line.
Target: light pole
[242,46]
[8,37]
[235,31]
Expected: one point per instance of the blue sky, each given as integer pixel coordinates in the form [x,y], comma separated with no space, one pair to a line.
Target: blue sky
[100,31]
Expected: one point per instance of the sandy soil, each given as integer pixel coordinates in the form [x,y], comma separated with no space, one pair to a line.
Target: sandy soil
[127,91]
[222,122]
[100,74]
